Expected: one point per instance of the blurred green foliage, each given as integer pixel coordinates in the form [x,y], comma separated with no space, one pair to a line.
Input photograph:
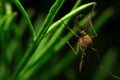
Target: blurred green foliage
[30,47]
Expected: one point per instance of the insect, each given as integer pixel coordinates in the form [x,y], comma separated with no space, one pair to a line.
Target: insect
[84,41]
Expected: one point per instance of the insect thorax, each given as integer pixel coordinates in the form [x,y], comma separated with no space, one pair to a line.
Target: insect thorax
[85,41]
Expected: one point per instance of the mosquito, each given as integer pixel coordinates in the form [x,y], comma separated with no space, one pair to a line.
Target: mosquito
[85,41]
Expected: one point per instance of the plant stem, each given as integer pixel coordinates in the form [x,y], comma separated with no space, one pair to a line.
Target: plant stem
[21,8]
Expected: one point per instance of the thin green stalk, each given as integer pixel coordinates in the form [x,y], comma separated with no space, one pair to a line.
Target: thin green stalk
[47,47]
[2,20]
[69,36]
[1,9]
[8,9]
[21,8]
[43,51]
[54,9]
[58,67]
[15,44]
[9,21]
[46,24]
[52,13]
[5,31]
[78,2]
[52,41]
[71,14]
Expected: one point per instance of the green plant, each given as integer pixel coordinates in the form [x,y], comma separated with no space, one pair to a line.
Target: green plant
[39,51]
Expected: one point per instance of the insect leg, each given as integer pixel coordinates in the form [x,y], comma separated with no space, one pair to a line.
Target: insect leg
[75,51]
[82,59]
[83,50]
[70,30]
[93,8]
[81,63]
[91,25]
[93,49]
[77,23]
[73,32]
[97,54]
[90,22]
